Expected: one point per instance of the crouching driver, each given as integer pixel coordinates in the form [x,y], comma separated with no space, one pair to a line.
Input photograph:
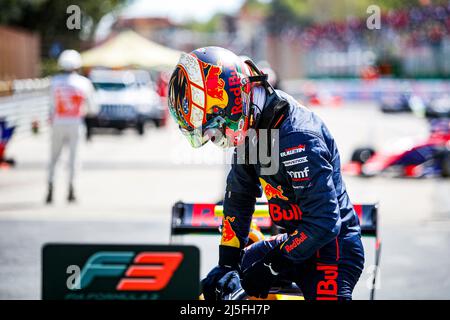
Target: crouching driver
[214,95]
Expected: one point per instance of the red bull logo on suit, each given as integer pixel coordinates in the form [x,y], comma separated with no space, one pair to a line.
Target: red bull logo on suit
[229,237]
[272,192]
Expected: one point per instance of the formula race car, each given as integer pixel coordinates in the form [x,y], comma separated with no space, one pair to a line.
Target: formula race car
[438,107]
[430,107]
[396,104]
[406,157]
[206,218]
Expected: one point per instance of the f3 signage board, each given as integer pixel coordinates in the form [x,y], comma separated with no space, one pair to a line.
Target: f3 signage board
[120,272]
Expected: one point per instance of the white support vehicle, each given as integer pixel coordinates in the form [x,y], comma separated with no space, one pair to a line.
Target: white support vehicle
[126,99]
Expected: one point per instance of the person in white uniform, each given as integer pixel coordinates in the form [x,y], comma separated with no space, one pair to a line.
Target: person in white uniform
[72,99]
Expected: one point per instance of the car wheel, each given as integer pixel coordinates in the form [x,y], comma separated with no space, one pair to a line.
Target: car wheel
[361,155]
[88,133]
[445,165]
[140,127]
[158,123]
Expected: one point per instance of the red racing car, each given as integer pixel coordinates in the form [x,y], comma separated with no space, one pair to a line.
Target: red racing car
[408,158]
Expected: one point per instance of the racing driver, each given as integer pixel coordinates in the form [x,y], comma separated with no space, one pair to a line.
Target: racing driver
[215,95]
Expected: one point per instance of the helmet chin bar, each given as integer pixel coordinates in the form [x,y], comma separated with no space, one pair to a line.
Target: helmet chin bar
[219,137]
[222,142]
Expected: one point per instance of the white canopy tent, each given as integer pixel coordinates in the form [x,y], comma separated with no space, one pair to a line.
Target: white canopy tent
[130,49]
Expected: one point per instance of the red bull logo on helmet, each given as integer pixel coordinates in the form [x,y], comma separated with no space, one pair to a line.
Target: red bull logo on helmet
[216,95]
[215,86]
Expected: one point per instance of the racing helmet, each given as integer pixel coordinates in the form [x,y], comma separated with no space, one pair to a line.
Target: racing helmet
[69,60]
[210,96]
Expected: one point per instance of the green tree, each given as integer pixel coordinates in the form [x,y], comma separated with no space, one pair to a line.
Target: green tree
[49,18]
[284,13]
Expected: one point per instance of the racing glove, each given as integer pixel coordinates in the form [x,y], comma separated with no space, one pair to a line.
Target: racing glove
[229,260]
[229,284]
[210,283]
[261,275]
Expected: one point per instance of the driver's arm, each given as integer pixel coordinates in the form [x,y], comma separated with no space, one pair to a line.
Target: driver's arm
[243,188]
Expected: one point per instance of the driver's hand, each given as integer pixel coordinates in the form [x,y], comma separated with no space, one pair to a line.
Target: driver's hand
[210,285]
[229,283]
[261,275]
[258,279]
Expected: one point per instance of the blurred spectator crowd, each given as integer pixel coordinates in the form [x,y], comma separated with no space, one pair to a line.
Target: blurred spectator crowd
[410,41]
[415,26]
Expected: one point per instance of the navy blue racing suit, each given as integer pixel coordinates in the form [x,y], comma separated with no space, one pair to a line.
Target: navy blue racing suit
[308,199]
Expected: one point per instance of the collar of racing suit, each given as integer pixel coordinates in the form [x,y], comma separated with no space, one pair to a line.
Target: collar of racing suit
[271,109]
[258,100]
[269,112]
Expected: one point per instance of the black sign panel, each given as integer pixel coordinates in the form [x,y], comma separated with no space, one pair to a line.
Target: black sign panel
[120,272]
